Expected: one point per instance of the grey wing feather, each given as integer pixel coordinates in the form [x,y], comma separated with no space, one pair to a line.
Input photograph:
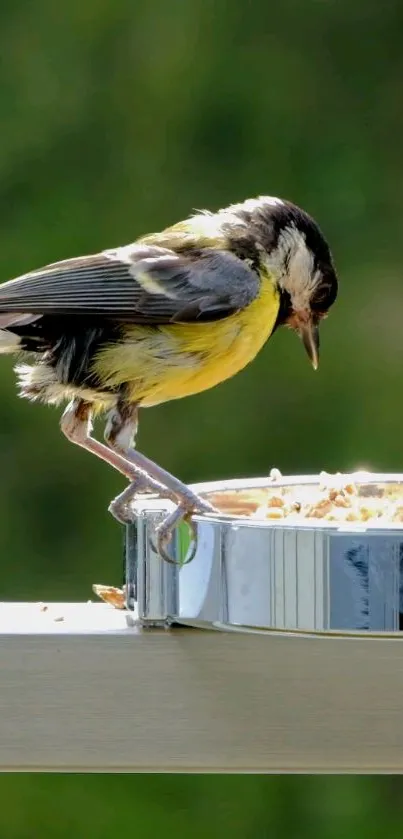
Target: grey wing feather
[135,284]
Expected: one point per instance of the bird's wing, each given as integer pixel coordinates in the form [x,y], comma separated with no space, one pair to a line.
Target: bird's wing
[135,284]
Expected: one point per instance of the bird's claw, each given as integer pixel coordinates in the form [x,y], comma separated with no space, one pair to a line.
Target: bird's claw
[164,531]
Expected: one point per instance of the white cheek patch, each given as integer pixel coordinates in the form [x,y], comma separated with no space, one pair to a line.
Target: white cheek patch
[301,277]
[296,263]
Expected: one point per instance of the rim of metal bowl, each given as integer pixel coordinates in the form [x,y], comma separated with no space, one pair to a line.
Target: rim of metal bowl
[152,503]
[239,484]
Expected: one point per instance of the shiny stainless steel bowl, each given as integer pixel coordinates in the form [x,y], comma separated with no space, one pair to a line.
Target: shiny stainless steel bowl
[259,575]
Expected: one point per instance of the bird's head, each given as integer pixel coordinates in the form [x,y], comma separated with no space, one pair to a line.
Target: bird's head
[292,249]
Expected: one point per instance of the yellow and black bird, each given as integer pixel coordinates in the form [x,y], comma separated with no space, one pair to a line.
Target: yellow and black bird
[170,315]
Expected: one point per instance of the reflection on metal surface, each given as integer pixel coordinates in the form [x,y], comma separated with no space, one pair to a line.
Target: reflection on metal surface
[264,575]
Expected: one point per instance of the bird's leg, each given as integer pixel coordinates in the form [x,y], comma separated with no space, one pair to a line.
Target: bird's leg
[119,434]
[76,424]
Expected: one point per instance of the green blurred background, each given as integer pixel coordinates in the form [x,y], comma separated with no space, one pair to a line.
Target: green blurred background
[119,117]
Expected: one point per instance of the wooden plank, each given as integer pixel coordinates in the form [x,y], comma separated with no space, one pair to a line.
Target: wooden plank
[87,693]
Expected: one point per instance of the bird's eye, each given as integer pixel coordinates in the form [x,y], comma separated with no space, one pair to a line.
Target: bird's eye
[319,298]
[323,297]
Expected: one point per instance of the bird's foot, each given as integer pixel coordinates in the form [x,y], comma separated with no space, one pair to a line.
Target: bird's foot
[189,503]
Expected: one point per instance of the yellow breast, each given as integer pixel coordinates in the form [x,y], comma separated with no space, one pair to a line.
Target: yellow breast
[178,360]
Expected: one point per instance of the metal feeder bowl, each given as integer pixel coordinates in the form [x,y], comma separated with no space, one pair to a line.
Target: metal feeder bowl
[260,575]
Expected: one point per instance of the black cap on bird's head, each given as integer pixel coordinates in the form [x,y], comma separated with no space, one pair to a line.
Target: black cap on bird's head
[294,251]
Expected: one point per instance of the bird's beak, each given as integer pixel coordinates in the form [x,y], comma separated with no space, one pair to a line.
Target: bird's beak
[308,331]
